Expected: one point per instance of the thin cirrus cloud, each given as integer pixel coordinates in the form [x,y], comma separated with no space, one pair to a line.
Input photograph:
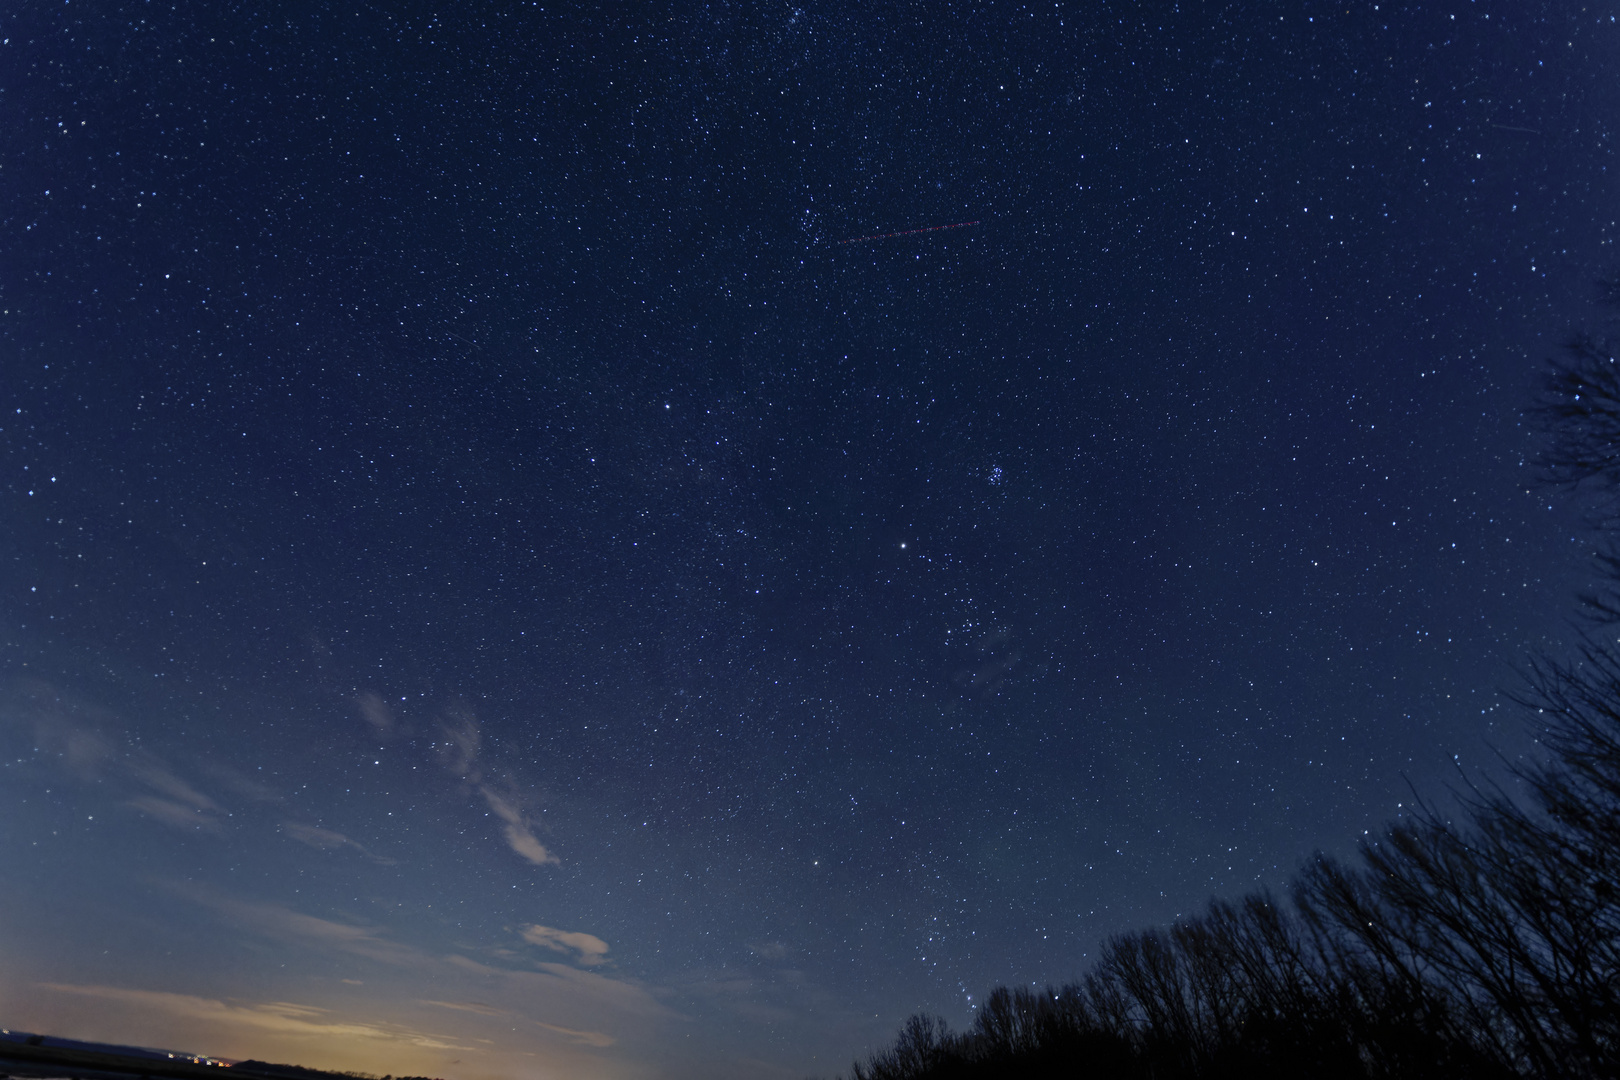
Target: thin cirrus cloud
[584,991]
[279,1017]
[555,1001]
[519,836]
[770,950]
[329,840]
[460,756]
[558,984]
[239,783]
[177,815]
[174,801]
[376,713]
[597,1039]
[74,732]
[468,1006]
[317,837]
[283,924]
[93,746]
[584,1038]
[587,949]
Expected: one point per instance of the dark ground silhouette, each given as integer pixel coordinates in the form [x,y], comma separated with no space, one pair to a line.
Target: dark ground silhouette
[23,1054]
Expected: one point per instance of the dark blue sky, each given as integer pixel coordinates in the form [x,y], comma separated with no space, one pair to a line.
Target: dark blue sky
[493,587]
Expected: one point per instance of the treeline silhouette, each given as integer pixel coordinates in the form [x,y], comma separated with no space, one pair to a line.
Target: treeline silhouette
[1480,943]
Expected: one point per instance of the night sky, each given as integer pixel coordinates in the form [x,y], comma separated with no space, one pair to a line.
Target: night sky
[492,585]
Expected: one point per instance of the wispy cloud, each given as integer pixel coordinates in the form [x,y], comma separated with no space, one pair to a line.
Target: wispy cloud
[519,836]
[460,755]
[316,837]
[563,983]
[329,840]
[587,949]
[572,1001]
[92,745]
[460,746]
[281,1017]
[470,1006]
[584,1038]
[176,802]
[545,981]
[284,924]
[239,783]
[770,950]
[157,776]
[72,731]
[376,713]
[173,813]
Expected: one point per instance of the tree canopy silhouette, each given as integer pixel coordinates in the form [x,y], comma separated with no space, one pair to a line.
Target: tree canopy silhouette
[1479,943]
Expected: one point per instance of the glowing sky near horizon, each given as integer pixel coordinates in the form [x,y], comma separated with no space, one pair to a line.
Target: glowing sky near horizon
[491,587]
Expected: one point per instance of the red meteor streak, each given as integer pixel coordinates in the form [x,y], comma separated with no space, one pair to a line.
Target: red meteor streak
[908,232]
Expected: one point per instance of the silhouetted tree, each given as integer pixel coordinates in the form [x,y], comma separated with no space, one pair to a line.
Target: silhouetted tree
[1480,944]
